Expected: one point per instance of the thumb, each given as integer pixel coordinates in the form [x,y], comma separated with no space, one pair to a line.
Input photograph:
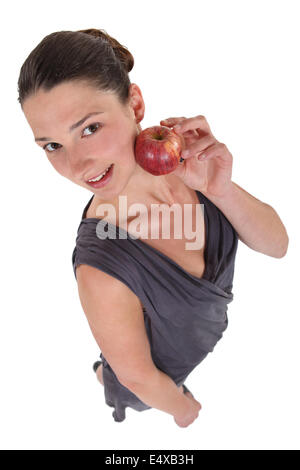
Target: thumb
[179,170]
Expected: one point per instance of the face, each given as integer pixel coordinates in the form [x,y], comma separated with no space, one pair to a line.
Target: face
[87,150]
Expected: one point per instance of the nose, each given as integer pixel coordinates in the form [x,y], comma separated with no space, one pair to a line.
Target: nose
[79,162]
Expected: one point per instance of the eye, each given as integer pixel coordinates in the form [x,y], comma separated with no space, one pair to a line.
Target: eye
[51,143]
[96,126]
[91,126]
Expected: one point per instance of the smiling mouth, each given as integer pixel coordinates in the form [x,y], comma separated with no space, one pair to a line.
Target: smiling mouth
[102,179]
[100,176]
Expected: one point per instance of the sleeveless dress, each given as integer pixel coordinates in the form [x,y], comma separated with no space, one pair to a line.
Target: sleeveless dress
[185,316]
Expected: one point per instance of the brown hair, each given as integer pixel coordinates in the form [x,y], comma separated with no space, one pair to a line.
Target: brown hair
[89,55]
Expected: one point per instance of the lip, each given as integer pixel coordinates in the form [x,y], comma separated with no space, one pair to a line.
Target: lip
[103,181]
[93,177]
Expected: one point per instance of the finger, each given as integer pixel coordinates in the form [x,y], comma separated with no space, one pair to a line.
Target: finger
[220,151]
[198,123]
[172,121]
[198,147]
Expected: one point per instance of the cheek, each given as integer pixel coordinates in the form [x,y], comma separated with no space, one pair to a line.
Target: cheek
[116,143]
[126,136]
[60,165]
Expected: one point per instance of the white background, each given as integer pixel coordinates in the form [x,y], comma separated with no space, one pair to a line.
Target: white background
[237,63]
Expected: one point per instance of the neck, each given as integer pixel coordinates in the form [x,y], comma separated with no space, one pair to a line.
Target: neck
[145,186]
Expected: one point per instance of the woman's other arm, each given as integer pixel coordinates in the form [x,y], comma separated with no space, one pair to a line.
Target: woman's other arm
[116,319]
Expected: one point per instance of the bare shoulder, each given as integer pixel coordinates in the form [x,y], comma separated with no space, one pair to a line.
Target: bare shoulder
[91,279]
[116,319]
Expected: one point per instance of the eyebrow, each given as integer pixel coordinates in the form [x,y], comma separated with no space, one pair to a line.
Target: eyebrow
[74,126]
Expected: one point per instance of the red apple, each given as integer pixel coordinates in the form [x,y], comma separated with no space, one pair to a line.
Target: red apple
[158,150]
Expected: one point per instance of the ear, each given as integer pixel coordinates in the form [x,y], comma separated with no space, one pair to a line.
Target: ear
[136,102]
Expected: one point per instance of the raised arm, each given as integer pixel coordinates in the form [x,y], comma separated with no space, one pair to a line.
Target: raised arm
[116,319]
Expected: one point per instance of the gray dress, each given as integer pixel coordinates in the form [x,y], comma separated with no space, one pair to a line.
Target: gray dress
[185,316]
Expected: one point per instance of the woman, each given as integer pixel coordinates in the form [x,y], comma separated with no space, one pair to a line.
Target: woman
[155,308]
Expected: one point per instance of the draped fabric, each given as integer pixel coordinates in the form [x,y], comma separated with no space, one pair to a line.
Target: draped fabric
[185,316]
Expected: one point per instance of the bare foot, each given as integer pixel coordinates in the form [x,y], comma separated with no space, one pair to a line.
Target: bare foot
[99,373]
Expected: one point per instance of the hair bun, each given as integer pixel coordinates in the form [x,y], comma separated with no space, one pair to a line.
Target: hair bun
[121,51]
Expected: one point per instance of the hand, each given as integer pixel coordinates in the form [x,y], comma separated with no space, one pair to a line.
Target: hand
[212,175]
[189,417]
